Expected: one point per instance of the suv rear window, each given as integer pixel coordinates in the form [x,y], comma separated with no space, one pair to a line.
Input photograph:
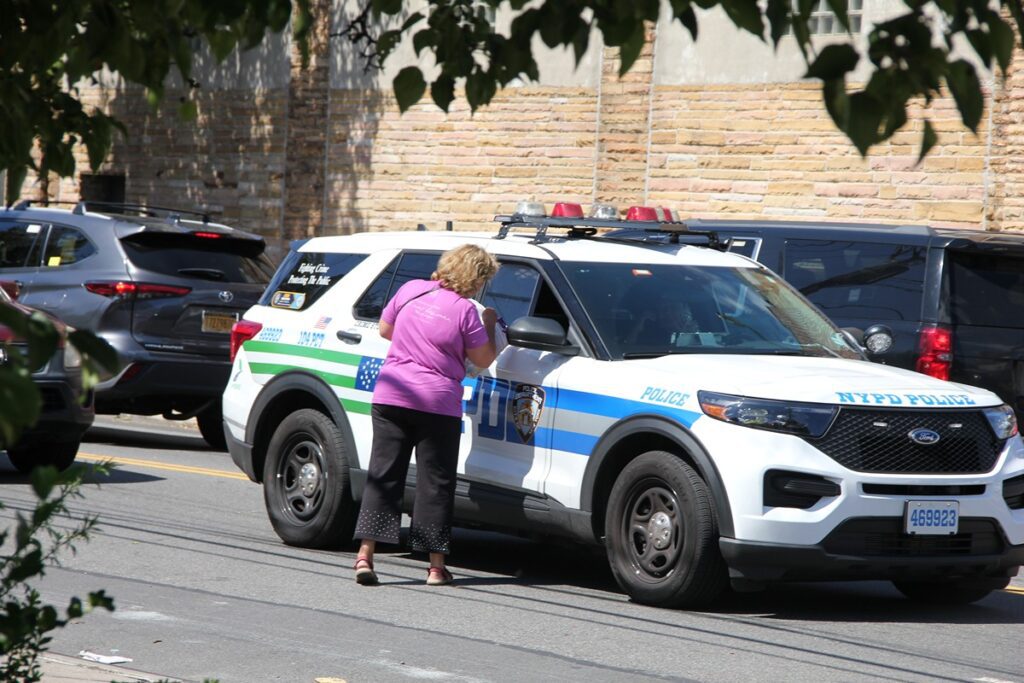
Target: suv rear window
[219,260]
[851,280]
[986,289]
[303,277]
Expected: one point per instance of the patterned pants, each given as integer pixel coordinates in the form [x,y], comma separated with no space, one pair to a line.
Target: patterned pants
[396,431]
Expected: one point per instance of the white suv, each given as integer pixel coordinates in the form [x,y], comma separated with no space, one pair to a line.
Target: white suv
[683,406]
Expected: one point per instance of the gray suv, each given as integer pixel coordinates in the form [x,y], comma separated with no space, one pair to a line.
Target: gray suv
[162,286]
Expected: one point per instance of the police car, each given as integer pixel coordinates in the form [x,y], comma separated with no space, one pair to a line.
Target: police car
[682,406]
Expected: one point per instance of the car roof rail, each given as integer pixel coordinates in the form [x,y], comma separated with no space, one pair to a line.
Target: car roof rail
[588,227]
[28,203]
[147,210]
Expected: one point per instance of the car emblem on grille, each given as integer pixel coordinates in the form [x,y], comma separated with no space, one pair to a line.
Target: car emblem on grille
[226,296]
[924,437]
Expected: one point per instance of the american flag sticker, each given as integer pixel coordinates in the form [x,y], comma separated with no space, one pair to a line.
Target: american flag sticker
[322,323]
[369,369]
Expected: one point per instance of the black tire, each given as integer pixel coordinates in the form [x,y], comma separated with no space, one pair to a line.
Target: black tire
[60,455]
[951,592]
[306,482]
[211,426]
[662,534]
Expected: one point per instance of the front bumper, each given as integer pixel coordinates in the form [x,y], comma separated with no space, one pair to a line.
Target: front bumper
[64,416]
[875,549]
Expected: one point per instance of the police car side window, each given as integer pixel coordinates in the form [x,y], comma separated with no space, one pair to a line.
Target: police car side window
[512,291]
[406,267]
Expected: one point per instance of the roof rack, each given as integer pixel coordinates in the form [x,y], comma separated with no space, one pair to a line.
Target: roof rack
[588,227]
[140,210]
[27,204]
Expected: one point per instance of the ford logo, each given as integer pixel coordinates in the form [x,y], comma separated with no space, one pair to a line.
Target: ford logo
[226,296]
[924,437]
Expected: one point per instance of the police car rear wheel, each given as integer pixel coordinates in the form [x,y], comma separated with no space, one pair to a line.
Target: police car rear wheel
[662,537]
[306,482]
[955,592]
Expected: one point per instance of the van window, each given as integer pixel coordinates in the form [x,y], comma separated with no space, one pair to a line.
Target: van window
[858,280]
[986,290]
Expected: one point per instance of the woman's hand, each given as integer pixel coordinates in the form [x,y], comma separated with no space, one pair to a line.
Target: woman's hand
[489,317]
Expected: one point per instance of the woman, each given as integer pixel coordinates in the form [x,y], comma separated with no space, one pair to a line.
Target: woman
[417,403]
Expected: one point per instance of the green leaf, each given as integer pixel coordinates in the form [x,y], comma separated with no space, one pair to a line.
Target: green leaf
[442,91]
[44,479]
[837,102]
[387,6]
[409,87]
[835,61]
[746,15]
[96,349]
[688,18]
[864,121]
[840,8]
[480,88]
[424,39]
[928,140]
[187,110]
[777,12]
[631,49]
[19,403]
[963,83]
[1002,40]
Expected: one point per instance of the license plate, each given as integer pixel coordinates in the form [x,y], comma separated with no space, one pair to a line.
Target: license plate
[932,517]
[220,323]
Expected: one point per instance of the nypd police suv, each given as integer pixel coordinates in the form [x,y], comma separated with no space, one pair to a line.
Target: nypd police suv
[681,405]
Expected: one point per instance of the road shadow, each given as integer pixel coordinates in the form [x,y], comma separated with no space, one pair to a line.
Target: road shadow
[140,439]
[91,474]
[512,560]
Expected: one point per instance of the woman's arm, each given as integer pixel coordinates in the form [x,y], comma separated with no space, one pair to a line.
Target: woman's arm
[386,330]
[482,356]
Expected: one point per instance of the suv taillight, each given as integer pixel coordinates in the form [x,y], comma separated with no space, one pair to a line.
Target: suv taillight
[135,290]
[241,332]
[935,352]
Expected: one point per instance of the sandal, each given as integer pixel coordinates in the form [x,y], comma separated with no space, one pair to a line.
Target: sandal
[365,576]
[439,576]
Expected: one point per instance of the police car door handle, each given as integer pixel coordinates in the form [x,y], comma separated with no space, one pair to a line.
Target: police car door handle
[350,337]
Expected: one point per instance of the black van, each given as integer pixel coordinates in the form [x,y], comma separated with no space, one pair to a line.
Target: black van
[943,301]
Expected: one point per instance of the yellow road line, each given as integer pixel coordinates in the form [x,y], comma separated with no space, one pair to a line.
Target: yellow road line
[161,466]
[1019,590]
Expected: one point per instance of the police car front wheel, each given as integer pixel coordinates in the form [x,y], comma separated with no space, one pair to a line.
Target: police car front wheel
[662,537]
[306,482]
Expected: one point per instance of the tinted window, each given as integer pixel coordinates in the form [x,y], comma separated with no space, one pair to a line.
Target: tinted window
[219,260]
[403,269]
[17,242]
[858,280]
[512,290]
[986,290]
[305,276]
[65,246]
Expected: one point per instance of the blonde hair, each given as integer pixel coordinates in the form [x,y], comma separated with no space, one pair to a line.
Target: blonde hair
[464,269]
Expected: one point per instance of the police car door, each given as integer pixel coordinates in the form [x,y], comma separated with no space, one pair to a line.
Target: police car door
[508,416]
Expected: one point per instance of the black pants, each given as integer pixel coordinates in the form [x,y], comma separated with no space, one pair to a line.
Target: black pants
[396,431]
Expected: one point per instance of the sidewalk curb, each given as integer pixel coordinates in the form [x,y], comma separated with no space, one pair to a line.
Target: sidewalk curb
[58,668]
[147,422]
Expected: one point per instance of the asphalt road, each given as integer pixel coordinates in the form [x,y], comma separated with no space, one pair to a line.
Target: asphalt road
[204,589]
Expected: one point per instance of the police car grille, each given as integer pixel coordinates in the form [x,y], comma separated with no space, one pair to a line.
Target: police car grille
[866,440]
[884,536]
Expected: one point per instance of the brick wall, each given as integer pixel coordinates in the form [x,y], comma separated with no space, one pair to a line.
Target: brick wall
[310,159]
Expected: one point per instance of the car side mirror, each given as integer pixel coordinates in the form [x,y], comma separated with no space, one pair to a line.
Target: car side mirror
[543,334]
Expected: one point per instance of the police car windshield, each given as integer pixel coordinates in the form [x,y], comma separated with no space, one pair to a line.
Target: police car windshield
[650,310]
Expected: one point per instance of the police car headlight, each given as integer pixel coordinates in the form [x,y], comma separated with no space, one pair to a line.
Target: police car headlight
[1003,421]
[804,419]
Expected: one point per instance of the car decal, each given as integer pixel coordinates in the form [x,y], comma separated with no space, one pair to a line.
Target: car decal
[358,374]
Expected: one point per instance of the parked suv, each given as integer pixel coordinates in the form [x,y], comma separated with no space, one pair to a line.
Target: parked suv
[162,286]
[683,406]
[66,411]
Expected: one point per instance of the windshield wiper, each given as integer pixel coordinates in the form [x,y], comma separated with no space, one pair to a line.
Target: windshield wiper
[659,354]
[207,273]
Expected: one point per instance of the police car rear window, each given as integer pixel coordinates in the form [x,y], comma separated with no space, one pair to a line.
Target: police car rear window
[303,277]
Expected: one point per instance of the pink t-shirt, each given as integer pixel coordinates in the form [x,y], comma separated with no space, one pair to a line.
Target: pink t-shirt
[425,366]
